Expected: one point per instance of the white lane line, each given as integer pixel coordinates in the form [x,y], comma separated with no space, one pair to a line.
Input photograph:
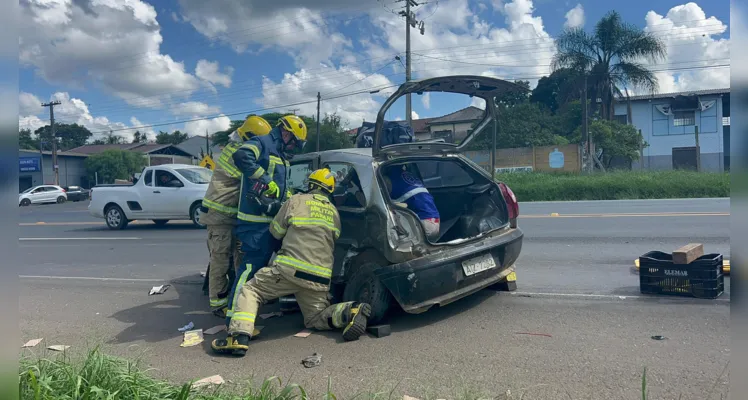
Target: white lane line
[602,296]
[81,238]
[91,278]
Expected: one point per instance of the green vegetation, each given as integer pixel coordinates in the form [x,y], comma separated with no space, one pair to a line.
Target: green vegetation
[616,185]
[114,164]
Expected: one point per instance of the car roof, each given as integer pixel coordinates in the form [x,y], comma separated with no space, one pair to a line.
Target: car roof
[353,155]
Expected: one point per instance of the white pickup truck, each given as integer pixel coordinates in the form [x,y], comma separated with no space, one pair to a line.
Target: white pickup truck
[161,193]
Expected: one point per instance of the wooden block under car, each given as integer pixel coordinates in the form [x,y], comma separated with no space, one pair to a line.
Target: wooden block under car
[688,253]
[379,330]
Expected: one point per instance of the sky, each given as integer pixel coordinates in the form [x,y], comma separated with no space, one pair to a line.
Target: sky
[194,65]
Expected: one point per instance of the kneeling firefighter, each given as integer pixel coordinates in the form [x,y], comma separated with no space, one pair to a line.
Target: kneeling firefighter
[218,212]
[305,229]
[264,167]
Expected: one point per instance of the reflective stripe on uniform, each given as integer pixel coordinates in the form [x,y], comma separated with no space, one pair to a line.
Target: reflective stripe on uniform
[220,207]
[410,194]
[337,315]
[254,149]
[278,228]
[272,163]
[226,162]
[215,303]
[253,218]
[301,221]
[258,173]
[243,316]
[316,270]
[239,283]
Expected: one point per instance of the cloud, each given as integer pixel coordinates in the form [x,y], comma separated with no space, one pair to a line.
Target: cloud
[414,115]
[148,130]
[115,43]
[194,128]
[478,102]
[28,104]
[303,86]
[426,100]
[692,40]
[210,72]
[195,109]
[575,17]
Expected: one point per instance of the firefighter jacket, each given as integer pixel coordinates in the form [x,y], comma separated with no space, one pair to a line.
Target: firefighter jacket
[222,195]
[308,224]
[260,158]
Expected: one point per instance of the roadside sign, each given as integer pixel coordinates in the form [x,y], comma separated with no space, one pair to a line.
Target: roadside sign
[208,162]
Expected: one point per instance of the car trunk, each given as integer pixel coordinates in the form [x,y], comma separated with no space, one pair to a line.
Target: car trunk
[468,202]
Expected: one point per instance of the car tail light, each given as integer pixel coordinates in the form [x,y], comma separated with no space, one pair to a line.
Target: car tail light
[511,203]
[64,191]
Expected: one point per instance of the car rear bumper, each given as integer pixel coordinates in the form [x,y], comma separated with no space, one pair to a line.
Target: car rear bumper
[95,211]
[439,279]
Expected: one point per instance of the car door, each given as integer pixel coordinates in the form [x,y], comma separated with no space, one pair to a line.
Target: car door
[37,195]
[50,194]
[170,201]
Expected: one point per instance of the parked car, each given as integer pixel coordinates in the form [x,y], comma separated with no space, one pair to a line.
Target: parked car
[76,193]
[161,193]
[42,194]
[383,256]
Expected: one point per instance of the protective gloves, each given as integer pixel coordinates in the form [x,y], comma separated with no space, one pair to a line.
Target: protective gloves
[273,190]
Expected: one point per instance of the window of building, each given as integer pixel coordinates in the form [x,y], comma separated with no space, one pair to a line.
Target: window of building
[684,118]
[621,119]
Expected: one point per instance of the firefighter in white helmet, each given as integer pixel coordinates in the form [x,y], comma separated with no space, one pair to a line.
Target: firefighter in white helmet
[306,227]
[218,212]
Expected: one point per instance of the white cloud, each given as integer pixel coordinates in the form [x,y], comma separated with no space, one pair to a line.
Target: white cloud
[210,72]
[414,115]
[195,109]
[115,43]
[148,130]
[478,102]
[498,5]
[194,128]
[31,122]
[692,41]
[426,100]
[304,85]
[575,17]
[28,104]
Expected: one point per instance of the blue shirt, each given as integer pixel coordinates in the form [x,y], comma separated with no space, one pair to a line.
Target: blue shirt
[408,189]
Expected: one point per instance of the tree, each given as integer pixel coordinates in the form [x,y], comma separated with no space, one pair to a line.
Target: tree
[617,140]
[69,136]
[26,141]
[521,125]
[138,137]
[175,137]
[611,58]
[332,135]
[515,97]
[554,90]
[114,164]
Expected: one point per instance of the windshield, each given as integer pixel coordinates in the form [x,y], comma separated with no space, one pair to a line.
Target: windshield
[28,190]
[196,175]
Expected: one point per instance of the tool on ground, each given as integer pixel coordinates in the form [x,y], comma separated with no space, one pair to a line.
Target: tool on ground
[312,361]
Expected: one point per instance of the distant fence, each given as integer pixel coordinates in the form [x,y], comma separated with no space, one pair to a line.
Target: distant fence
[566,158]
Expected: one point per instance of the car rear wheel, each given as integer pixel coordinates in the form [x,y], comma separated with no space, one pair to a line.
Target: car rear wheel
[115,217]
[25,202]
[61,199]
[364,287]
[160,222]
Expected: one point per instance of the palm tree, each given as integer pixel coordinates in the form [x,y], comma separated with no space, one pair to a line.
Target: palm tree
[611,58]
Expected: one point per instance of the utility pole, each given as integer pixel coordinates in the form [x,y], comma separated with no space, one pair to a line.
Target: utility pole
[585,129]
[698,149]
[410,21]
[319,100]
[293,110]
[55,168]
[41,158]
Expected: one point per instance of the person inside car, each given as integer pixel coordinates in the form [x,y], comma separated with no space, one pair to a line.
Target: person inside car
[405,187]
[168,180]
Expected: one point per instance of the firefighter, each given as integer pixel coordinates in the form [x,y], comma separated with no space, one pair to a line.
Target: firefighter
[305,230]
[219,210]
[263,164]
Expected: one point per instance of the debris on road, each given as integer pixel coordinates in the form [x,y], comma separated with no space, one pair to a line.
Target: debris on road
[187,327]
[158,290]
[215,329]
[658,337]
[192,338]
[58,347]
[211,380]
[304,333]
[257,330]
[406,397]
[271,315]
[533,334]
[379,331]
[31,343]
[312,361]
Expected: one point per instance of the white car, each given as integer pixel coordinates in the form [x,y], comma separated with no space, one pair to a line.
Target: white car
[42,194]
[161,193]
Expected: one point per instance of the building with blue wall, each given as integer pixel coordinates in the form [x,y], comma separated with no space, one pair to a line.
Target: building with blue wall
[668,123]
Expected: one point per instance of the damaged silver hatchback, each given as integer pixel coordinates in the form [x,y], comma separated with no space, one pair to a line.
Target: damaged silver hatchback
[384,256]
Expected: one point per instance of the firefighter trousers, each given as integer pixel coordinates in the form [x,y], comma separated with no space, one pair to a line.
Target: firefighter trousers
[270,283]
[256,249]
[221,247]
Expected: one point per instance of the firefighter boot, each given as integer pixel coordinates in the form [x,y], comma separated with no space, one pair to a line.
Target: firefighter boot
[235,345]
[357,319]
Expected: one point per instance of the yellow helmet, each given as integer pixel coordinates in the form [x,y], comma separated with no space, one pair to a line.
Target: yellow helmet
[323,179]
[295,125]
[253,126]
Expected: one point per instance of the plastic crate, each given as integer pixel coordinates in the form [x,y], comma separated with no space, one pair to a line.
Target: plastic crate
[702,278]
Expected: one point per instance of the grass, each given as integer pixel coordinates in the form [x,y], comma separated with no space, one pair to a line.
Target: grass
[537,186]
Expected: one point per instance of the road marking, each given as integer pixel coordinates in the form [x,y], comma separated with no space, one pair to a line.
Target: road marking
[82,238]
[603,296]
[679,214]
[91,278]
[175,221]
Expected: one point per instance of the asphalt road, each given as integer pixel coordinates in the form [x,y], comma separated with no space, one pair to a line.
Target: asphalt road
[83,285]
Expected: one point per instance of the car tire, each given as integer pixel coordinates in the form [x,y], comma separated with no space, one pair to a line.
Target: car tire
[160,222]
[25,202]
[364,287]
[195,216]
[61,199]
[115,218]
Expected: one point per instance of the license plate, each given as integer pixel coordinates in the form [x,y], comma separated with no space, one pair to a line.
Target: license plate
[478,264]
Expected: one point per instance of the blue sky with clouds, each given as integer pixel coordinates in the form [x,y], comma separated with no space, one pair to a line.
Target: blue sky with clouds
[195,65]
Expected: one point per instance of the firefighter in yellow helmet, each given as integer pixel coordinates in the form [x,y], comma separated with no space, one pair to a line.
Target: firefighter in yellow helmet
[218,212]
[306,226]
